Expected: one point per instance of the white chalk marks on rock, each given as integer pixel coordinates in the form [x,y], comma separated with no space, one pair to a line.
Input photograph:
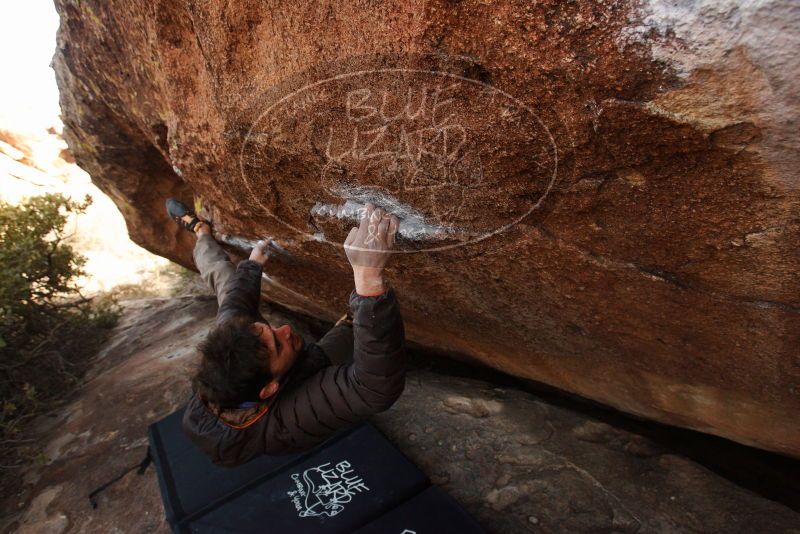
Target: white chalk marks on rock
[456,159]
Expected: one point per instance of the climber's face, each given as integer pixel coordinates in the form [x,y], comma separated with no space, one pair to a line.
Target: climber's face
[283,346]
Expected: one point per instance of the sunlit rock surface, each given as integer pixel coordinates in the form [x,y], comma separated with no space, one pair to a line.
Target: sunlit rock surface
[599,196]
[35,161]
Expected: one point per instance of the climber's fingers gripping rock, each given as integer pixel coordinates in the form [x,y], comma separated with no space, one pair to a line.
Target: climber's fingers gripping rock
[260,252]
[369,245]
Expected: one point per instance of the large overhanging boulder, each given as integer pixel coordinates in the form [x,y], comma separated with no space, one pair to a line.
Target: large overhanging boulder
[600,196]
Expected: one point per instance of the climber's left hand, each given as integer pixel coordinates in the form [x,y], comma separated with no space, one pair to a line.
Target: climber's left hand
[260,253]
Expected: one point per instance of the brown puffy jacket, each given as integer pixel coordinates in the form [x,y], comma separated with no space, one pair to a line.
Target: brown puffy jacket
[316,397]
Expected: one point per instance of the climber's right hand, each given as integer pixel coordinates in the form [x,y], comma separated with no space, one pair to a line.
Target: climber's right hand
[368,248]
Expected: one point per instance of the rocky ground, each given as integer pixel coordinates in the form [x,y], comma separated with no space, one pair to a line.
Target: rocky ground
[519,461]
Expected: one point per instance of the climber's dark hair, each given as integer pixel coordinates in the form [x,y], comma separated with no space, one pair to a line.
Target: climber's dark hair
[233,367]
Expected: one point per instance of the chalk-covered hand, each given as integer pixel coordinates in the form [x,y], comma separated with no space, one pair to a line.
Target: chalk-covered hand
[260,253]
[368,248]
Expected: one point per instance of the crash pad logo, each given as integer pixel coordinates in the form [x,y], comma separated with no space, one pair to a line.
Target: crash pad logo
[324,490]
[457,159]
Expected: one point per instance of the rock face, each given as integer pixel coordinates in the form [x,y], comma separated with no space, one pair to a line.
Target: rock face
[599,196]
[514,461]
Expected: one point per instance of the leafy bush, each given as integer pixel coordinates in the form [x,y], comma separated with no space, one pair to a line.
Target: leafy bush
[48,330]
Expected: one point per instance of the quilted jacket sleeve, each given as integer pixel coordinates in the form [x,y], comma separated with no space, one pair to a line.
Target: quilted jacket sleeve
[338,395]
[242,293]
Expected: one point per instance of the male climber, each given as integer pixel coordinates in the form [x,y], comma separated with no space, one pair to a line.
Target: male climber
[260,389]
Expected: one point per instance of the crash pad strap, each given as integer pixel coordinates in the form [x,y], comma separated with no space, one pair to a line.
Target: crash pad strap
[141,467]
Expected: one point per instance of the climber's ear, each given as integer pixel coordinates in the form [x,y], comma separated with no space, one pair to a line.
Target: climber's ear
[269,390]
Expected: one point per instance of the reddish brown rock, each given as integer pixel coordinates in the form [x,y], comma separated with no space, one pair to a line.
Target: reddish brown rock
[610,189]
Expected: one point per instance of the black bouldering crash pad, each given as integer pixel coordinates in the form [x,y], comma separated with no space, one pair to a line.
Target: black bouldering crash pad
[190,483]
[354,478]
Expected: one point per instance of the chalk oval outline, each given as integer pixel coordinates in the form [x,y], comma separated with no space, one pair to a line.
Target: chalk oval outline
[496,231]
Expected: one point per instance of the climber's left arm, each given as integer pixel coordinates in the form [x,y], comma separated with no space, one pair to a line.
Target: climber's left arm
[243,288]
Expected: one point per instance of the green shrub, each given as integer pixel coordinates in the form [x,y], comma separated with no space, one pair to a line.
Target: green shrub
[48,330]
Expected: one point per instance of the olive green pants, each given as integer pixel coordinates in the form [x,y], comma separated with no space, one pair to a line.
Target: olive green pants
[213,263]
